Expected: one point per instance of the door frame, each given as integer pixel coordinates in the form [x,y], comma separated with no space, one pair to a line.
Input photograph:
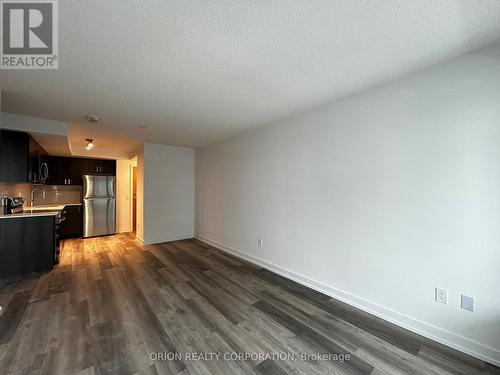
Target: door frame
[133,195]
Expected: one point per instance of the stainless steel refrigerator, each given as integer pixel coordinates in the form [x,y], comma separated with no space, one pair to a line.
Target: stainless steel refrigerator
[98,205]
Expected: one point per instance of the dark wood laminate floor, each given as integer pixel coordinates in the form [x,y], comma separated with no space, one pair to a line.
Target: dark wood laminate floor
[111,303]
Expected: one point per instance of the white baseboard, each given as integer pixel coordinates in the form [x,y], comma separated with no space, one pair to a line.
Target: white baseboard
[126,230]
[152,241]
[458,342]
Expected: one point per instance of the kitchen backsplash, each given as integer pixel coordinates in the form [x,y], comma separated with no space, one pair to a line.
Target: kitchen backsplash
[54,194]
[14,190]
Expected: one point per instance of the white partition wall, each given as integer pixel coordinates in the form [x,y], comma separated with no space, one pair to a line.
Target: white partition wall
[168,197]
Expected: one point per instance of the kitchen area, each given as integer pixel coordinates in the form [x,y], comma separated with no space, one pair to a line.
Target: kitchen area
[46,198]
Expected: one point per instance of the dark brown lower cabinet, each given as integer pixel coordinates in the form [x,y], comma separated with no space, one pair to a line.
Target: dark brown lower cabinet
[72,226]
[27,244]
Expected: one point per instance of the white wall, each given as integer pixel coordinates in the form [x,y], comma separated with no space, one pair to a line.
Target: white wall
[376,199]
[168,193]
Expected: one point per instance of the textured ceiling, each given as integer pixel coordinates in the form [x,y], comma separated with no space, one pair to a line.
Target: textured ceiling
[195,72]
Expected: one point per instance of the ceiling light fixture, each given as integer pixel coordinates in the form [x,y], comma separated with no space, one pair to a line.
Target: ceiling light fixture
[142,126]
[92,119]
[90,144]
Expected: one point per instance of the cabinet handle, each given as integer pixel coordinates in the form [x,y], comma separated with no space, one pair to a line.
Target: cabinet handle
[97,169]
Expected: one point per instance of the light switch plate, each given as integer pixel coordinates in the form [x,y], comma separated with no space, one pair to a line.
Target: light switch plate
[467,303]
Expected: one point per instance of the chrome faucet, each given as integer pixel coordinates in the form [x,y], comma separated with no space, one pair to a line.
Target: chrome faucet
[32,195]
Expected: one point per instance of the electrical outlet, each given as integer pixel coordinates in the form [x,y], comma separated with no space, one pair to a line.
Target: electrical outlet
[441,295]
[259,242]
[467,303]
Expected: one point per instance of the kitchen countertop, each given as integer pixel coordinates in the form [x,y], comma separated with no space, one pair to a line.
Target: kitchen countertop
[41,210]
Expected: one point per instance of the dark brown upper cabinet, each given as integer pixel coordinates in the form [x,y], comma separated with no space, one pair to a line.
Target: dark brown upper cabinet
[14,156]
[64,171]
[22,159]
[98,166]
